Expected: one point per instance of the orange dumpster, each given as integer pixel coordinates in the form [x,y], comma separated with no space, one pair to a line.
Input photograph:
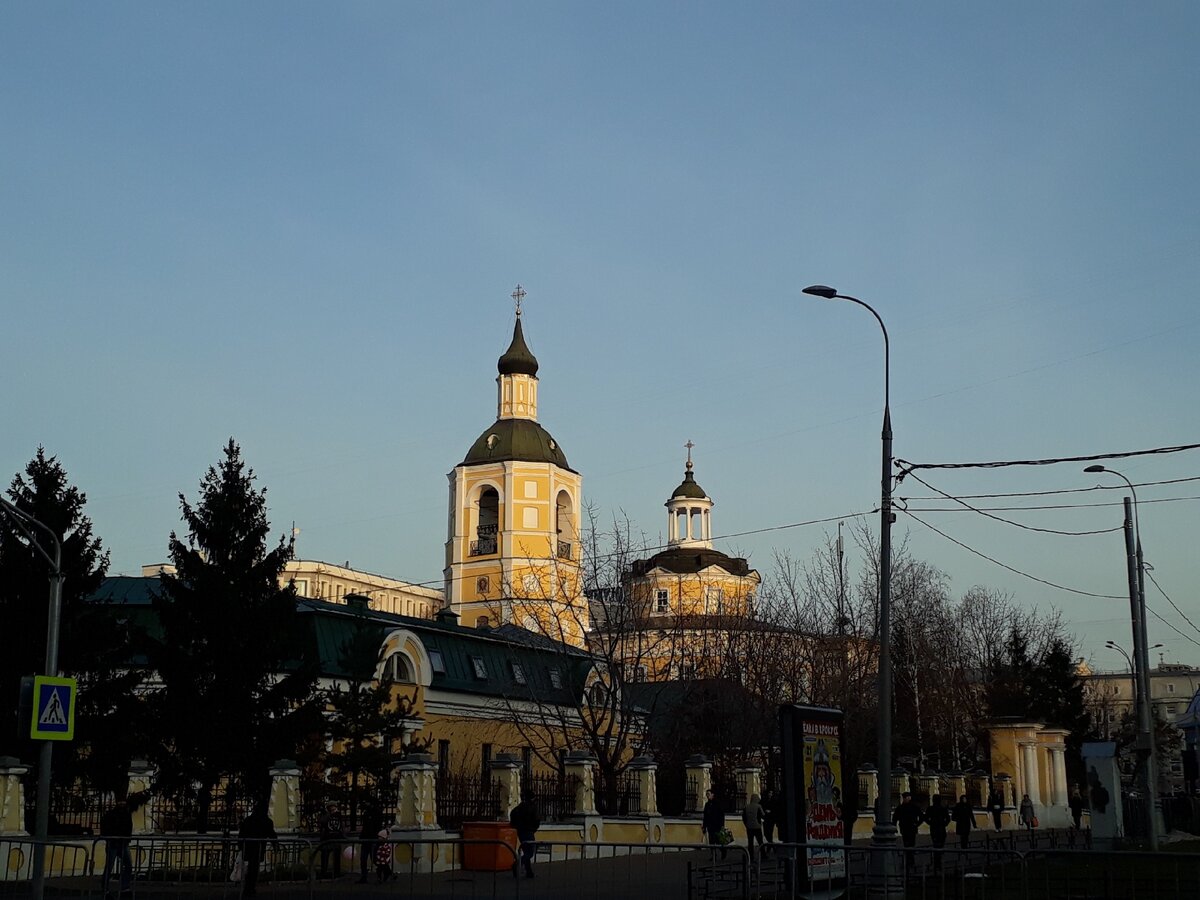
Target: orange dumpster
[491,857]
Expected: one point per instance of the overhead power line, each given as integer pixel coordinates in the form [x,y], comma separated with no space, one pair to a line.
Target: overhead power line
[1015,571]
[1033,508]
[634,552]
[1182,614]
[989,515]
[1186,637]
[1096,487]
[906,467]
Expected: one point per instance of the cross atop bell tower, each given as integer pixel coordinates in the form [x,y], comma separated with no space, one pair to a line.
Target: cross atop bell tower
[518,295]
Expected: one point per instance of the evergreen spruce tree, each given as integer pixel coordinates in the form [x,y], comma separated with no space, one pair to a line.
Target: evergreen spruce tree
[363,721]
[94,644]
[234,691]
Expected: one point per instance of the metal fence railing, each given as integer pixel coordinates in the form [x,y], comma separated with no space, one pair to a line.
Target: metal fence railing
[622,796]
[466,798]
[553,794]
[199,868]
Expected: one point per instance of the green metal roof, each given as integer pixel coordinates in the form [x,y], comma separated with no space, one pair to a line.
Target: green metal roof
[334,625]
[516,439]
[517,359]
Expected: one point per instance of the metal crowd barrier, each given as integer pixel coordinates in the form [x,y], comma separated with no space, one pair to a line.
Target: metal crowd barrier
[202,868]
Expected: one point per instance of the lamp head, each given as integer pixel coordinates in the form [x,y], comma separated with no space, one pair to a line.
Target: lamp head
[1155,646]
[1096,468]
[820,290]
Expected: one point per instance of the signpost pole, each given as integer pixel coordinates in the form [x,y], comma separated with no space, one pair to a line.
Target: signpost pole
[41,828]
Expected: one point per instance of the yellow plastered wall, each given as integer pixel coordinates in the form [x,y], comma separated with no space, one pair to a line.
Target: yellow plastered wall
[536,550]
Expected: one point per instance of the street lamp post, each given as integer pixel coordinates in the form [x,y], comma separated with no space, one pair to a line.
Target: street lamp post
[29,526]
[1136,569]
[1133,673]
[886,877]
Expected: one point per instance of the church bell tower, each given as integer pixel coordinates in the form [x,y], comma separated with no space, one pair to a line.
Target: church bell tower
[512,547]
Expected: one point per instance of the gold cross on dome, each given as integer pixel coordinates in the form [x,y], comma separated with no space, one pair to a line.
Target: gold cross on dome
[518,295]
[689,446]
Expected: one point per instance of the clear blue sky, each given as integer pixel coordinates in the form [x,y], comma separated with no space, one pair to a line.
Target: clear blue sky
[298,224]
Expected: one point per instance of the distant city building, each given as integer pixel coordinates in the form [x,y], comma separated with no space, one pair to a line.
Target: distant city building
[1110,696]
[325,581]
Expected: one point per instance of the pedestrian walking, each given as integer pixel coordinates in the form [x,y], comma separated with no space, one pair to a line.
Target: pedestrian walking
[937,817]
[253,833]
[752,818]
[907,817]
[996,807]
[116,826]
[771,810]
[964,821]
[372,823]
[331,832]
[1028,818]
[1076,804]
[712,821]
[524,818]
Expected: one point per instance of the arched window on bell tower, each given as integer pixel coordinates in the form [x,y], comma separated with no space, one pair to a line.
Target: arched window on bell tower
[564,519]
[487,531]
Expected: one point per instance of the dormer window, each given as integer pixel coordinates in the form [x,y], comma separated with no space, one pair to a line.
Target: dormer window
[479,667]
[437,662]
[518,673]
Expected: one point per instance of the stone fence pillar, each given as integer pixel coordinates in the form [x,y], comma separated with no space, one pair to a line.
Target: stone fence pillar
[868,787]
[954,786]
[141,802]
[900,784]
[581,767]
[925,785]
[978,790]
[283,803]
[645,769]
[750,777]
[698,781]
[416,793]
[506,775]
[12,796]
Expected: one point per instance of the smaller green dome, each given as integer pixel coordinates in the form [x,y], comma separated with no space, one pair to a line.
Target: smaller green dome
[517,359]
[689,489]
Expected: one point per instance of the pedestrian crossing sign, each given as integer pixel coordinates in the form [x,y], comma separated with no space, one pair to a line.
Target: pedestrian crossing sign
[53,709]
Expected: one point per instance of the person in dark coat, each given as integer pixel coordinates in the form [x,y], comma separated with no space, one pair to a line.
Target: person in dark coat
[964,821]
[937,817]
[331,831]
[254,832]
[996,807]
[771,811]
[116,826]
[372,824]
[524,818]
[712,821]
[1076,804]
[907,817]
[1028,817]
